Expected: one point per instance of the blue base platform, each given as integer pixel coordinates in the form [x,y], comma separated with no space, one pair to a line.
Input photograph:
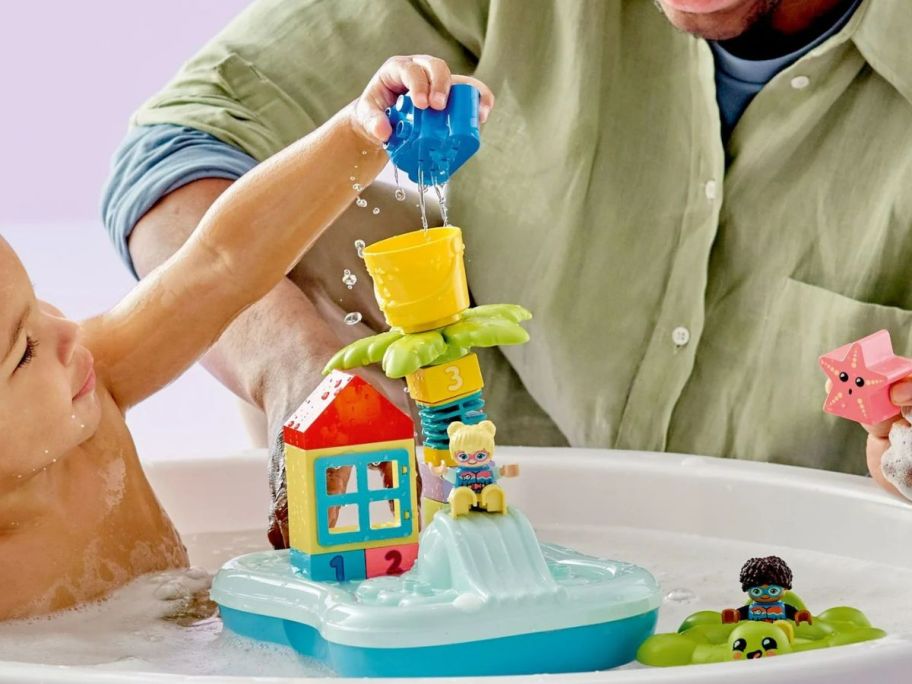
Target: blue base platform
[576,649]
[484,598]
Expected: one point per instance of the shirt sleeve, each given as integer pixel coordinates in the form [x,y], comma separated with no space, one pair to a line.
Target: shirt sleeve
[153,161]
[283,67]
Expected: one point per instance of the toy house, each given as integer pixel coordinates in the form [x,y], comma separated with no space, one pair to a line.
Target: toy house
[347,424]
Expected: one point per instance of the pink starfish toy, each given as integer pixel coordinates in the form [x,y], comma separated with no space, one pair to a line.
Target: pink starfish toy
[862,373]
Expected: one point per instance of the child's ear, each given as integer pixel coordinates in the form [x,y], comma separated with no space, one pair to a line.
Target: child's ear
[454,427]
[488,427]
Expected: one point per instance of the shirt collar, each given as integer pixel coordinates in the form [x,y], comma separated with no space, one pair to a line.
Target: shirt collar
[880,30]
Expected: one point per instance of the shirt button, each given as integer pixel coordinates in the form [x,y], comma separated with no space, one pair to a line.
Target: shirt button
[800,82]
[680,336]
[710,189]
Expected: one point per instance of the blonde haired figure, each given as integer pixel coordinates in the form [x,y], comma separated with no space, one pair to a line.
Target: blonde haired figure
[472,471]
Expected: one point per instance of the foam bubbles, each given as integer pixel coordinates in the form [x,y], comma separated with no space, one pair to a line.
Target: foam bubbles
[161,622]
[896,464]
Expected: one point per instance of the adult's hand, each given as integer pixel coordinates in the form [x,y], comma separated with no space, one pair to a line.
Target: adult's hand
[879,436]
[878,441]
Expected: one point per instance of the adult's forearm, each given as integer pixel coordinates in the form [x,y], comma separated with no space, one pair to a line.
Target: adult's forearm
[274,350]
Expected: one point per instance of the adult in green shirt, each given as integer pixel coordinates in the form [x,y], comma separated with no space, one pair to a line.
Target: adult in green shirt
[683,284]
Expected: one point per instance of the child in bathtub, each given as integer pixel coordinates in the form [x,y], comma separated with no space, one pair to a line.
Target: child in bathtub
[77,516]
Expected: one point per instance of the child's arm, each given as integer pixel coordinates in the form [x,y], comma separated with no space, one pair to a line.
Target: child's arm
[252,236]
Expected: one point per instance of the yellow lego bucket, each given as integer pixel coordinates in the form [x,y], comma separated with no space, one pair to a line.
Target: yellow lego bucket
[419,278]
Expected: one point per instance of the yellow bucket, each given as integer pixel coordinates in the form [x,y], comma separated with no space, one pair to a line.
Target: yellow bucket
[419,278]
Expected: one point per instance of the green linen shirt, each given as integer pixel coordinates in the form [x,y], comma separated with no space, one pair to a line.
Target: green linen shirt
[682,290]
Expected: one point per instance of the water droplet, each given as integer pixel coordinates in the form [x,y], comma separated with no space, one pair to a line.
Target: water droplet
[357,187]
[376,211]
[349,279]
[359,245]
[680,595]
[361,202]
[352,318]
[352,178]
[441,199]
[400,195]
[364,153]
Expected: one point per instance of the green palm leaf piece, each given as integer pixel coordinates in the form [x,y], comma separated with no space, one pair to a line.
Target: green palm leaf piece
[485,331]
[363,352]
[489,325]
[411,352]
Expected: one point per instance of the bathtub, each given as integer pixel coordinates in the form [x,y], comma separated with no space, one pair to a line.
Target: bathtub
[690,520]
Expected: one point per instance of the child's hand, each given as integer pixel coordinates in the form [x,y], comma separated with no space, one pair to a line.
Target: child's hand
[426,79]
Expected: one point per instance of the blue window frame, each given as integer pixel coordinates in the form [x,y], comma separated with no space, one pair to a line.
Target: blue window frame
[363,496]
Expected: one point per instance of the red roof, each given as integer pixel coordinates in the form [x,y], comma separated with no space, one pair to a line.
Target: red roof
[346,410]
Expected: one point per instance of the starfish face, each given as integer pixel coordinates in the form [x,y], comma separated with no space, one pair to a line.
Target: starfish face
[861,374]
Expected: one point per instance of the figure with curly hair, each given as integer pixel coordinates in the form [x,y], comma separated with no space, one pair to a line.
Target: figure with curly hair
[766,580]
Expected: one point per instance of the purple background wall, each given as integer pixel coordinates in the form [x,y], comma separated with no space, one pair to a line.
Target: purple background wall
[72,72]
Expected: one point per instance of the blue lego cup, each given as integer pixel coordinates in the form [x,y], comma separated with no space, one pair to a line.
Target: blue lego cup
[430,145]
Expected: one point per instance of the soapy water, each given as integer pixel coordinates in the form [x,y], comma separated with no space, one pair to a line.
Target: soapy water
[162,622]
[132,630]
[896,463]
[680,595]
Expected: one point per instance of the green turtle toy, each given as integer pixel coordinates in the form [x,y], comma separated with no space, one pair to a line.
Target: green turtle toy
[773,621]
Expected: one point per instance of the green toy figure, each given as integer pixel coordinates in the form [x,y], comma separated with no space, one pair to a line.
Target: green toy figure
[773,622]
[761,639]
[766,580]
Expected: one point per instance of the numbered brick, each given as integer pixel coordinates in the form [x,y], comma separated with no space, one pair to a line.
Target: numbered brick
[390,560]
[343,566]
[447,381]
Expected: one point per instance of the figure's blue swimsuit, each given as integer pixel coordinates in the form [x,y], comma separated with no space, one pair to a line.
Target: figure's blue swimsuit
[475,478]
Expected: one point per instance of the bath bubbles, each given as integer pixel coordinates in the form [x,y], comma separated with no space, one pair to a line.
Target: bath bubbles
[375,211]
[352,318]
[680,595]
[359,247]
[361,202]
[349,279]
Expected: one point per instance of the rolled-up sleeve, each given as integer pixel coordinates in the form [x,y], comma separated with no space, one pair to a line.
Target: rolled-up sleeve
[155,160]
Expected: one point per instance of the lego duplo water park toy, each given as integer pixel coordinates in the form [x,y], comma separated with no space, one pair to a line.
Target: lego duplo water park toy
[773,621]
[476,593]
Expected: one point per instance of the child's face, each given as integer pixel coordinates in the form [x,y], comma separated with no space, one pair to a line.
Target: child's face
[47,380]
